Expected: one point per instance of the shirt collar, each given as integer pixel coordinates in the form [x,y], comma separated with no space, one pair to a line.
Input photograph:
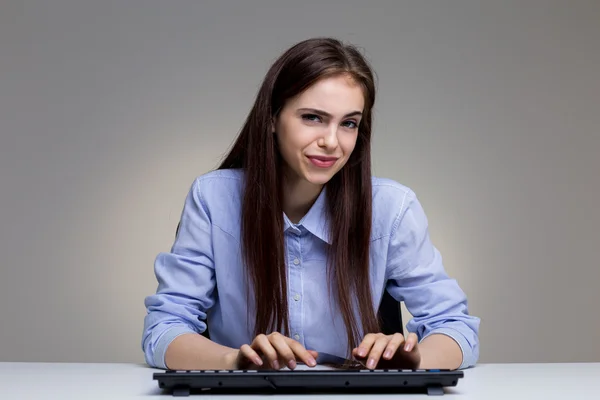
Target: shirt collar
[316,220]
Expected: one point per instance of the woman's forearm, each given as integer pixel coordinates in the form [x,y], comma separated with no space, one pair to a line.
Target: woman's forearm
[191,351]
[440,351]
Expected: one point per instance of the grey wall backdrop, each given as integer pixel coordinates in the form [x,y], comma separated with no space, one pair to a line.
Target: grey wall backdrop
[490,111]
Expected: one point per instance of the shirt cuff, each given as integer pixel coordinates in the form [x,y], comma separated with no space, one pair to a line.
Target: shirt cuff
[465,348]
[165,340]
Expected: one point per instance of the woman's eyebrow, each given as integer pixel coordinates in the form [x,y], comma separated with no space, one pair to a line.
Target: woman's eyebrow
[326,114]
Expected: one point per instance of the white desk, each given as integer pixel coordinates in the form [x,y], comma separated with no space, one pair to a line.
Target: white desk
[24,381]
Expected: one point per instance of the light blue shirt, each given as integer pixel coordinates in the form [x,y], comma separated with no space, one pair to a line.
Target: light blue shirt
[202,277]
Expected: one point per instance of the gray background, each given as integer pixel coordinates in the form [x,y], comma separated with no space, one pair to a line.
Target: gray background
[490,111]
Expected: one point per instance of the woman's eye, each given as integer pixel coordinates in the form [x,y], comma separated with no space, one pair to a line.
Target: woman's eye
[351,124]
[315,118]
[311,117]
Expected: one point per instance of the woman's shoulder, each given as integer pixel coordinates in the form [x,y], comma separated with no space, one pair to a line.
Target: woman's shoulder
[218,184]
[390,200]
[387,190]
[223,175]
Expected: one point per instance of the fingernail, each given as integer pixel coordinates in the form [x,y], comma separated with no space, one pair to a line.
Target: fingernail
[311,362]
[258,361]
[371,363]
[276,364]
[388,354]
[362,352]
[407,347]
[292,364]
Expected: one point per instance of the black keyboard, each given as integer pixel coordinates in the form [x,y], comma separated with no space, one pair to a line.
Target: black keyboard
[183,383]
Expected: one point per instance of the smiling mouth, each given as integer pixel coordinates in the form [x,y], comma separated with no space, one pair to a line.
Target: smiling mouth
[322,162]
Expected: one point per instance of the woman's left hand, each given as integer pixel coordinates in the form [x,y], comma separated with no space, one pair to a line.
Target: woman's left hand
[389,351]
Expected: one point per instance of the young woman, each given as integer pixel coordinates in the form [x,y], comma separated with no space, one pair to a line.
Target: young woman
[286,249]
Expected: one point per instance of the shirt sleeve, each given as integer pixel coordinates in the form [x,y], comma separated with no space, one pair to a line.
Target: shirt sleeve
[416,276]
[186,282]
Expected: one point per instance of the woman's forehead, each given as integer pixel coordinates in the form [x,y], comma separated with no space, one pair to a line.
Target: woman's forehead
[337,96]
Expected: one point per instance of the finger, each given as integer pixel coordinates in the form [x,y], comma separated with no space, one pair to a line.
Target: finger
[393,345]
[263,345]
[314,353]
[249,353]
[411,341]
[376,351]
[302,354]
[284,352]
[364,347]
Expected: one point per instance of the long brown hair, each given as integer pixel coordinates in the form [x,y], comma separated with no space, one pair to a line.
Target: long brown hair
[348,192]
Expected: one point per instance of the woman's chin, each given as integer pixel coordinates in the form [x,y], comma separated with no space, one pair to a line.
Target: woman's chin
[318,178]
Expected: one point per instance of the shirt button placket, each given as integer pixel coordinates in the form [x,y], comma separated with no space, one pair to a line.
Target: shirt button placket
[297,297]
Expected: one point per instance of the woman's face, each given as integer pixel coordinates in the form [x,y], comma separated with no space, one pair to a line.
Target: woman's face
[317,129]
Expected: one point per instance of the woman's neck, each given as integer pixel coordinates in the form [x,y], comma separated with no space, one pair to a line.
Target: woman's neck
[298,197]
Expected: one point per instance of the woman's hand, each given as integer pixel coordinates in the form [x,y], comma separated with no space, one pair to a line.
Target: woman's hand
[389,351]
[274,351]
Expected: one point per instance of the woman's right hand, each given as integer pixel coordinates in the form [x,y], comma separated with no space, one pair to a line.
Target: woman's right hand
[274,351]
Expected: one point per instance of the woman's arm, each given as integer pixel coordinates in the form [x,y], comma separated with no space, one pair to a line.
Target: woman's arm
[441,352]
[177,312]
[448,334]
[191,351]
[195,352]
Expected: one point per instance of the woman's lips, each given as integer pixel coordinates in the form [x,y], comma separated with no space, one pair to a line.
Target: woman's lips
[322,161]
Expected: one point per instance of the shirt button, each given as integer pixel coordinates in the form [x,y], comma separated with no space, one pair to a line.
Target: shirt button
[297,297]
[296,261]
[297,337]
